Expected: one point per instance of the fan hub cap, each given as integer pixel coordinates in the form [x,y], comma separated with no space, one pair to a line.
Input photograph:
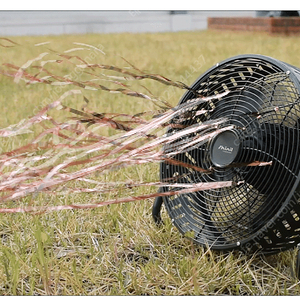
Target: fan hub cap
[224,148]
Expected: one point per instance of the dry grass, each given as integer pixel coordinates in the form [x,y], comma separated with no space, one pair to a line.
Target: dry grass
[117,250]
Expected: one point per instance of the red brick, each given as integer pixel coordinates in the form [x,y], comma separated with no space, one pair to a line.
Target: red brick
[278,25]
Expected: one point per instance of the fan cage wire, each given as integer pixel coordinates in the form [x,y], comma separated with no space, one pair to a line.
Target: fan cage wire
[205,215]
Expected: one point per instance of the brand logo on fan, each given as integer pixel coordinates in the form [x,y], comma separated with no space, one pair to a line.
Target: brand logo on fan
[225,149]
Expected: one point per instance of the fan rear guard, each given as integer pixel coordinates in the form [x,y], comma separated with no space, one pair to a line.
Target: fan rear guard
[263,213]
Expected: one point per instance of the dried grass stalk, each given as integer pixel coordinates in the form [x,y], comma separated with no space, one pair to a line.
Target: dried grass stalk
[80,151]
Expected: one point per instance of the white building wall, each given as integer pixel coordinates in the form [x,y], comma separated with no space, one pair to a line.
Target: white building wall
[14,23]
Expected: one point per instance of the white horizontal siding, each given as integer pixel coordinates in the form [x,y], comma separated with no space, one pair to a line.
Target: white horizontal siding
[76,22]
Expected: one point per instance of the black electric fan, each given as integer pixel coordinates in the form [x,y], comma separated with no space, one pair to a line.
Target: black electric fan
[261,123]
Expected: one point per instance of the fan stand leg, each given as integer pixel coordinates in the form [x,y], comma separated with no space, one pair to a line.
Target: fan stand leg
[298,262]
[157,207]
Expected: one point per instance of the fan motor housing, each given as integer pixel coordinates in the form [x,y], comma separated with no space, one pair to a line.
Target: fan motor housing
[262,107]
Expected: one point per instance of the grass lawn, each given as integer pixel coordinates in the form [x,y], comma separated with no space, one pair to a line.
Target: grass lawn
[118,250]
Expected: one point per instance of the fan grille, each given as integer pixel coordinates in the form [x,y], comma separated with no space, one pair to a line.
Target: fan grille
[263,104]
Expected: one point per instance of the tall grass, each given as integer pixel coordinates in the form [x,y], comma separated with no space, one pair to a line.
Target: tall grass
[117,250]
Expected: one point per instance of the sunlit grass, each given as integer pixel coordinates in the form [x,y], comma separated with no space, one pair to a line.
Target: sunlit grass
[118,250]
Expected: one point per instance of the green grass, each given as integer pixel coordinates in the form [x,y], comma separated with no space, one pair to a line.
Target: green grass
[118,250]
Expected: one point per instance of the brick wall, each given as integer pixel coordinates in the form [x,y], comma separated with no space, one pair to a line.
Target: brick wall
[277,25]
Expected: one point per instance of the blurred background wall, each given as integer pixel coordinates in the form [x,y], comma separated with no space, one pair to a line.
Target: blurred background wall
[14,23]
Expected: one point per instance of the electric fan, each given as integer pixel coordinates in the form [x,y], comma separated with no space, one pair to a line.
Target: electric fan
[261,123]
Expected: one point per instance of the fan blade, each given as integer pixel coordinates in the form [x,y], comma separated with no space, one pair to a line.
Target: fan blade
[277,145]
[240,106]
[274,181]
[199,214]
